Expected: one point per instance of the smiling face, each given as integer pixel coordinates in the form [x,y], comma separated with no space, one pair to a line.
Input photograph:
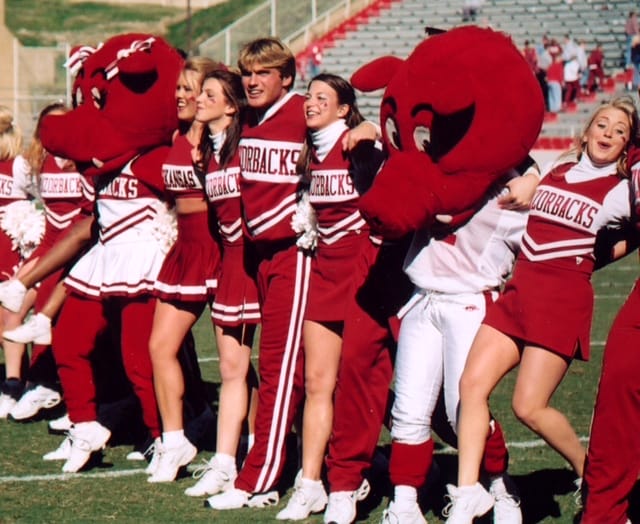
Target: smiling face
[607,136]
[212,106]
[321,106]
[264,86]
[187,90]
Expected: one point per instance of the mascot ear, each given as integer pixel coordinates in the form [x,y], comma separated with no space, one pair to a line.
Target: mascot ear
[376,74]
[137,63]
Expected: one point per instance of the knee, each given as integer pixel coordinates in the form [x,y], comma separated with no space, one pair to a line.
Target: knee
[233,369]
[471,387]
[318,383]
[525,412]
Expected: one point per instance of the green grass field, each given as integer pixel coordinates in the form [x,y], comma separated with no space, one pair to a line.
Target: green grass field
[116,490]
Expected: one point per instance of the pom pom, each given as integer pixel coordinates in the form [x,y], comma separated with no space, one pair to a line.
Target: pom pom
[24,224]
[305,223]
[165,226]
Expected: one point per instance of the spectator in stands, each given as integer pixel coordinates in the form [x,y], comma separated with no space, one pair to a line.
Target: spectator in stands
[530,55]
[544,61]
[314,61]
[471,9]
[631,29]
[595,66]
[635,61]
[555,79]
[581,55]
[571,70]
[569,48]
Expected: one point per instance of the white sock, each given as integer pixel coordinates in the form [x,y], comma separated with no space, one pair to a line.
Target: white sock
[310,482]
[44,318]
[227,462]
[251,438]
[172,439]
[405,496]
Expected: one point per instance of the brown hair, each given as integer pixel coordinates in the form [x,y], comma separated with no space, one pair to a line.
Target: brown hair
[35,153]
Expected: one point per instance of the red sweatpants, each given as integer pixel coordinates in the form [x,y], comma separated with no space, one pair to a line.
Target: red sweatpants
[79,324]
[366,370]
[613,458]
[283,283]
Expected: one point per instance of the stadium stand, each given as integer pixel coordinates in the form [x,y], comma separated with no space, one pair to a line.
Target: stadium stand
[395,27]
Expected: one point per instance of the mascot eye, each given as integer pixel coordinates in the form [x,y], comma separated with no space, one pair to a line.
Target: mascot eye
[78,98]
[393,135]
[98,98]
[422,138]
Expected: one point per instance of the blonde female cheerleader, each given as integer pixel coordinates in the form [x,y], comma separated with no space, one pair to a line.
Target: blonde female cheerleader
[551,280]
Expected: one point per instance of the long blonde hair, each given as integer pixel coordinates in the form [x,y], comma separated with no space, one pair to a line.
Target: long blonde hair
[10,135]
[622,103]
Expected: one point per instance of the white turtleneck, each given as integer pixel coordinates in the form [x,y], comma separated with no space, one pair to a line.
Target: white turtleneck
[324,139]
[218,140]
[585,169]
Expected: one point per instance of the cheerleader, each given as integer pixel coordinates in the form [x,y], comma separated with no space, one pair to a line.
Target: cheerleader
[16,217]
[343,240]
[235,311]
[186,282]
[551,281]
[67,198]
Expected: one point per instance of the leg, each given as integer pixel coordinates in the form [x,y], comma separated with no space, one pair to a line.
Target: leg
[170,326]
[137,319]
[613,460]
[234,348]
[491,356]
[73,343]
[322,354]
[540,373]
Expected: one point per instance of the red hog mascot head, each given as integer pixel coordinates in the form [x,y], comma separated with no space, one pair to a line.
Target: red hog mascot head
[124,103]
[458,113]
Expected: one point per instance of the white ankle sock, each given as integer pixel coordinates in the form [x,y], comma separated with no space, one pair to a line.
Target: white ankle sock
[405,496]
[172,439]
[227,462]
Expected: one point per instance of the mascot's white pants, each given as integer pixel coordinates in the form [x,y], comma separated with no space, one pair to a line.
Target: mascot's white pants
[436,333]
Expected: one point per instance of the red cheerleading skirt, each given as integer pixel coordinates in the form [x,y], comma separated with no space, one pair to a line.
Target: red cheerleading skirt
[236,301]
[190,270]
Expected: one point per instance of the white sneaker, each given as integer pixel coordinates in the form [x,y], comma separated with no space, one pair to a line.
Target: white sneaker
[37,330]
[171,460]
[577,494]
[233,498]
[33,400]
[466,503]
[396,515]
[7,402]
[213,479]
[308,497]
[341,506]
[154,451]
[60,425]
[506,509]
[12,294]
[86,437]
[62,452]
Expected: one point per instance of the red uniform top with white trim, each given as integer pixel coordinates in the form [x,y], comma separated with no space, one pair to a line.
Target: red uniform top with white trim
[179,176]
[14,180]
[269,151]
[223,192]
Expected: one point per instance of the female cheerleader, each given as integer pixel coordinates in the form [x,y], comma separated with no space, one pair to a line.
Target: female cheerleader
[551,281]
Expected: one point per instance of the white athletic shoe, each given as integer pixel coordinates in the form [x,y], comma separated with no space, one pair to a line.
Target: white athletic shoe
[37,330]
[466,503]
[506,509]
[62,452]
[7,402]
[33,400]
[86,437]
[397,515]
[577,494]
[154,451]
[12,294]
[308,497]
[60,425]
[235,498]
[213,479]
[341,506]
[171,460]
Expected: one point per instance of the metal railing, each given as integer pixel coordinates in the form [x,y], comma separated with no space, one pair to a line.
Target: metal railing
[296,22]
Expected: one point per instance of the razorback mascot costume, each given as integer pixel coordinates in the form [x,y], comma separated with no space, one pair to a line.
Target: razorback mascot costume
[461,111]
[119,133]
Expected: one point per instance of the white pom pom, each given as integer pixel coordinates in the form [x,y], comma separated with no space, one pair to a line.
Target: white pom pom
[25,225]
[165,226]
[305,223]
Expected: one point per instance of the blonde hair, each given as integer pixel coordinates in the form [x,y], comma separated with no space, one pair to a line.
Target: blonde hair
[202,65]
[10,135]
[622,103]
[270,53]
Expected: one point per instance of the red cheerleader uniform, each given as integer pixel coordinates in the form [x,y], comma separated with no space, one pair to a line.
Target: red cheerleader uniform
[190,270]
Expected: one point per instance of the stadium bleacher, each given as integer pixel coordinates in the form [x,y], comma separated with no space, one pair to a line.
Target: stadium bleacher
[395,27]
